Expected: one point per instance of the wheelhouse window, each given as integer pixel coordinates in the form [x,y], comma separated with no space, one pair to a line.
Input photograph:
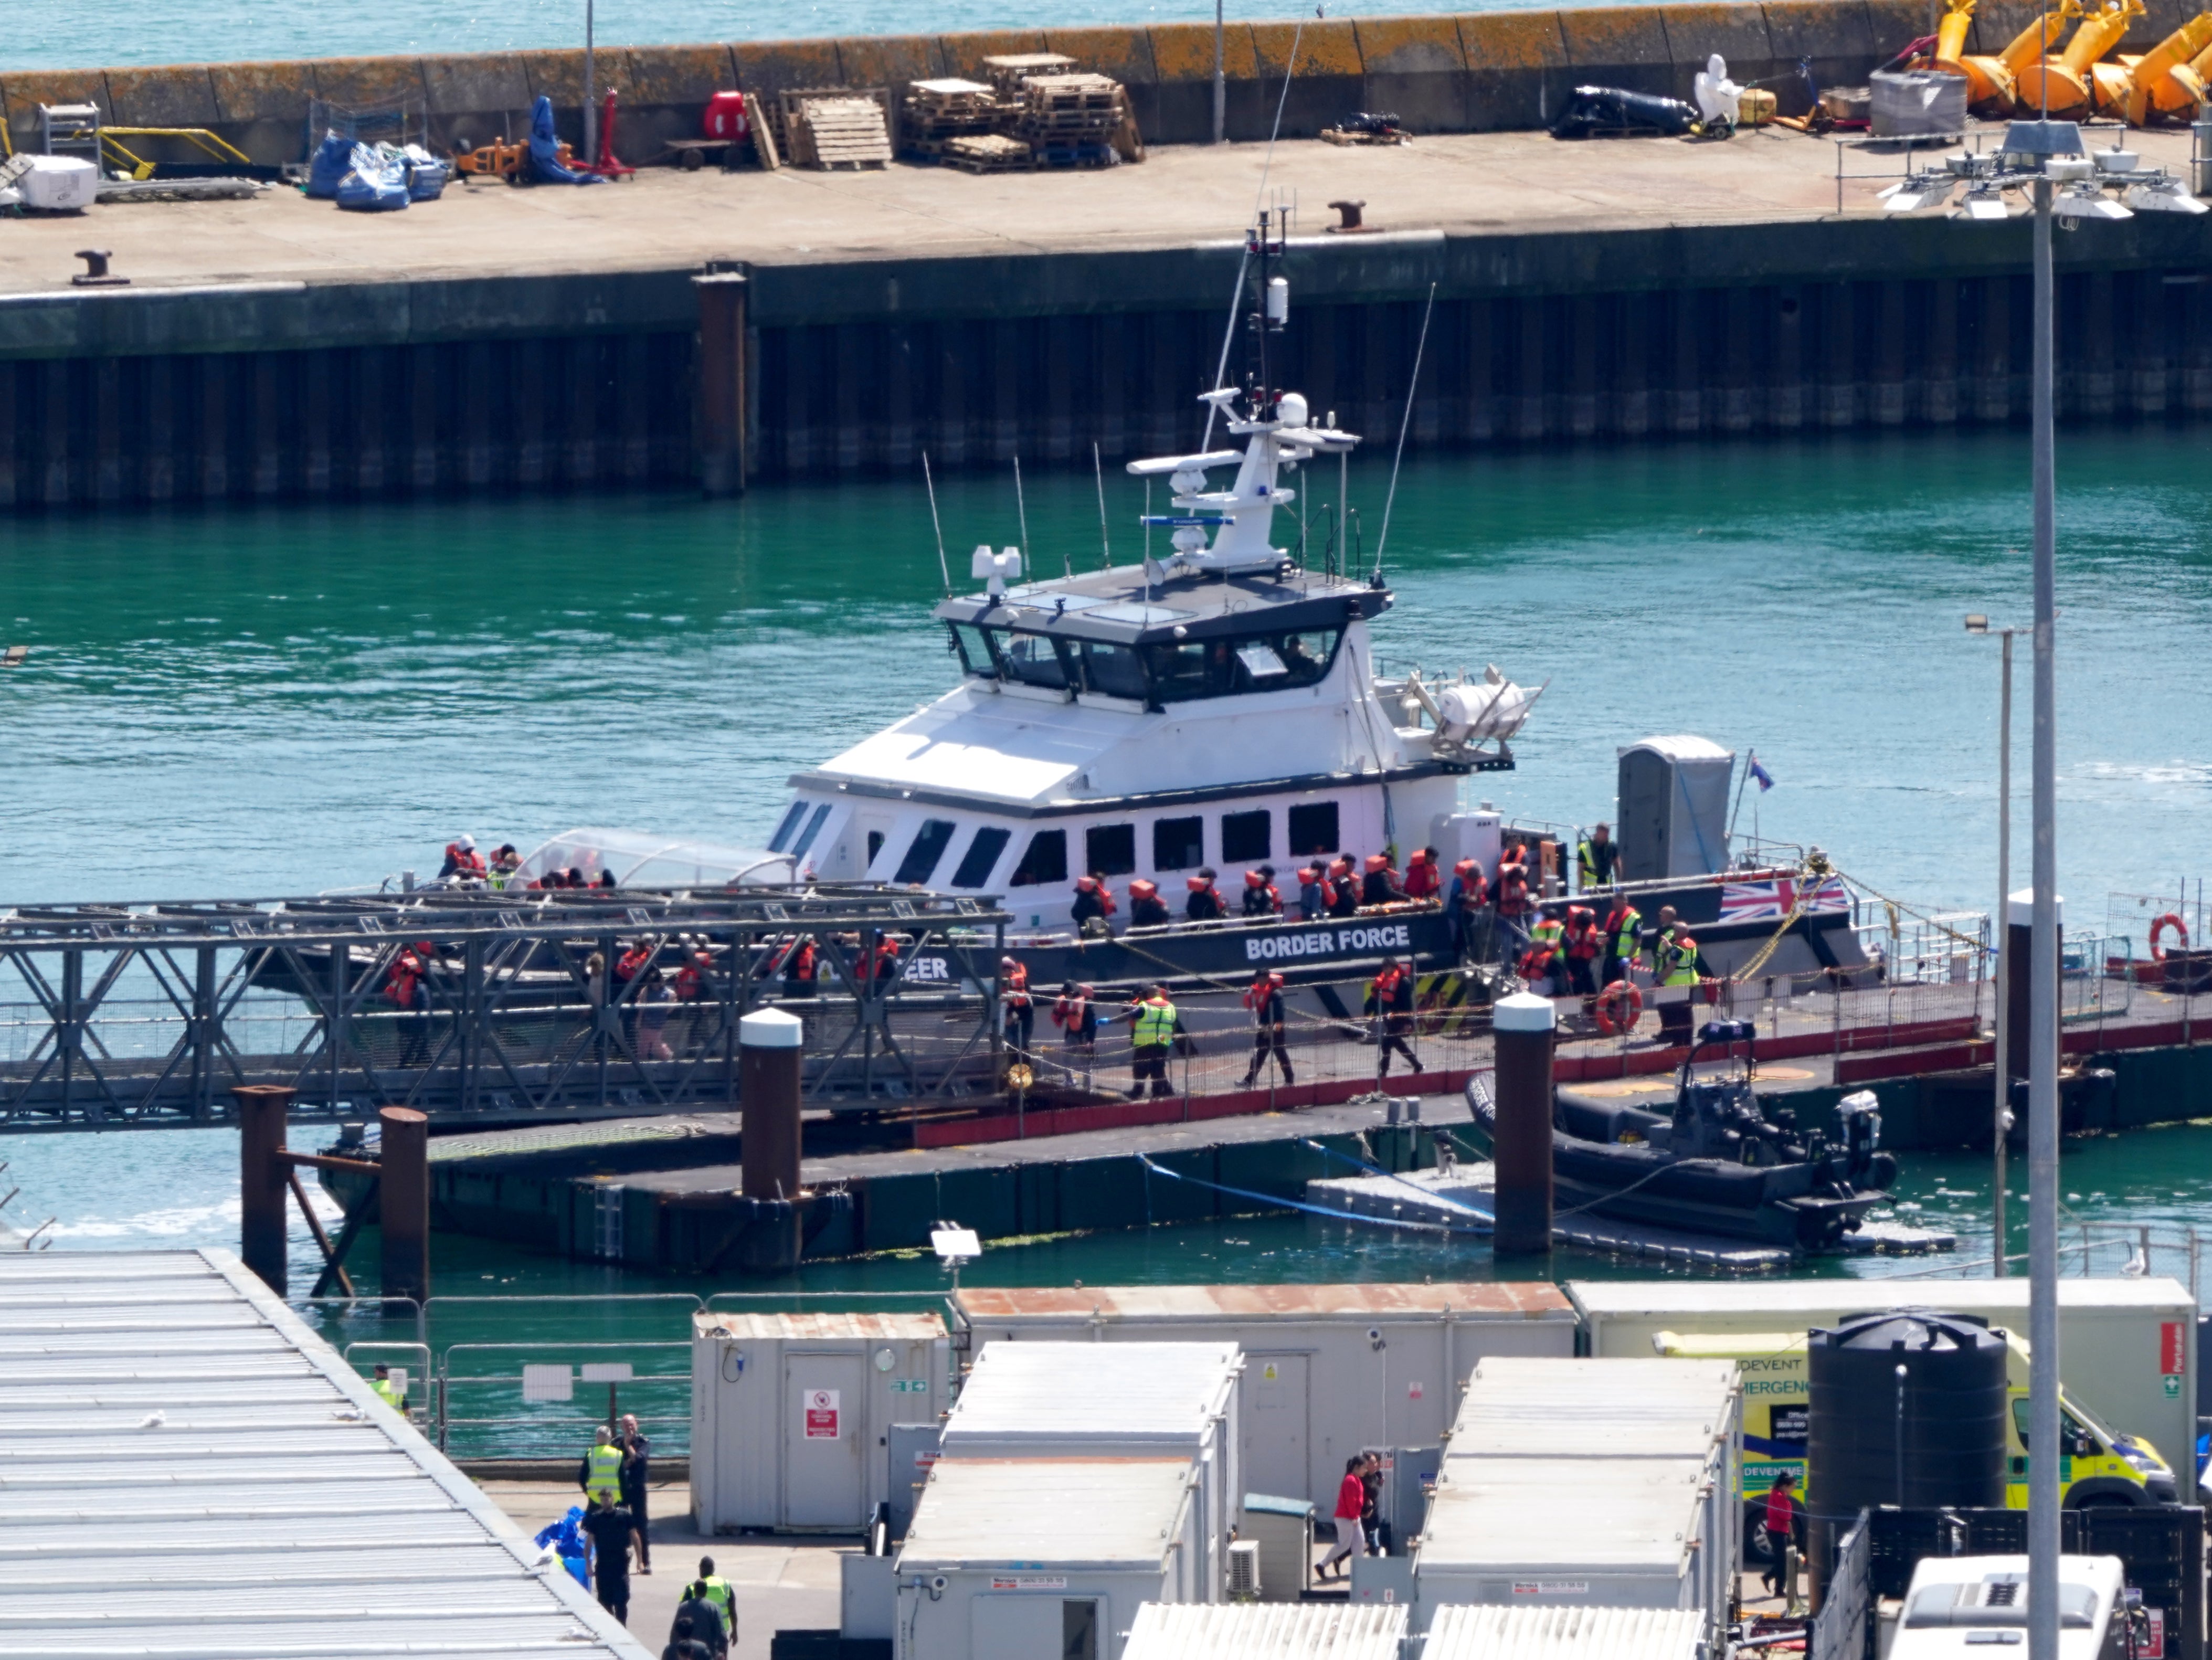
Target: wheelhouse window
[1178,843]
[1246,836]
[1114,672]
[974,651]
[1030,659]
[813,829]
[1188,669]
[776,842]
[1110,850]
[982,857]
[924,850]
[1044,860]
[1313,828]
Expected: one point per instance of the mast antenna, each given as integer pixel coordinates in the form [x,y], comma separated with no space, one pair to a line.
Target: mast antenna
[1405,421]
[943,570]
[1098,471]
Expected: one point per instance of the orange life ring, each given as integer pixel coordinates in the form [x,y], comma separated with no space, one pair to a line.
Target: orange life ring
[2169,921]
[1620,1006]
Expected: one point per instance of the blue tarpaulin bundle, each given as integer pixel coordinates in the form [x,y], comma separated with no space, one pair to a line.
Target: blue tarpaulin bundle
[545,151]
[329,164]
[567,1538]
[375,182]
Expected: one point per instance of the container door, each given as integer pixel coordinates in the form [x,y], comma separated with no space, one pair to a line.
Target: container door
[823,1433]
[1276,1455]
[1021,1626]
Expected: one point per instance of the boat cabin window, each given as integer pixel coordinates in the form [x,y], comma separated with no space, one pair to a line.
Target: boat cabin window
[1188,669]
[982,857]
[1044,861]
[1114,672]
[924,850]
[974,651]
[875,847]
[1246,836]
[1030,658]
[806,837]
[1178,843]
[1109,849]
[1313,830]
[776,842]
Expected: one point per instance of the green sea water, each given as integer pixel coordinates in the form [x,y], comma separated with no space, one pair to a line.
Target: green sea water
[289,699]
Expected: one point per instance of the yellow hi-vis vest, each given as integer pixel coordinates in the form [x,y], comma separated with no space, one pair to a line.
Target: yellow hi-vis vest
[1545,937]
[719,1594]
[606,1473]
[385,1393]
[1624,942]
[1155,1025]
[1681,964]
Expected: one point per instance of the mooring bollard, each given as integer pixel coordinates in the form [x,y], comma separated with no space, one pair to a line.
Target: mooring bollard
[403,1197]
[1522,1027]
[769,1056]
[263,1180]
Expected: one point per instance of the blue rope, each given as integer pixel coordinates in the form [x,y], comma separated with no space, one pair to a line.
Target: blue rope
[1276,1201]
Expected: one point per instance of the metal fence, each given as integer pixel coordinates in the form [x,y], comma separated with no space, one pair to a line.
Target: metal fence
[487,1005]
[2089,1249]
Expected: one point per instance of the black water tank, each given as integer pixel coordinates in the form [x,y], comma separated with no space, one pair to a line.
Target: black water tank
[1955,1400]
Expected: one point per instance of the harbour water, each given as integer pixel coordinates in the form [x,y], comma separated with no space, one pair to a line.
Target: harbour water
[299,698]
[111,32]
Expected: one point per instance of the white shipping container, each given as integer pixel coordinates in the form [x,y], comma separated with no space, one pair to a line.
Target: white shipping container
[1127,1400]
[1579,1532]
[1462,1633]
[1260,1631]
[1330,1370]
[1035,1559]
[791,1414]
[2126,1347]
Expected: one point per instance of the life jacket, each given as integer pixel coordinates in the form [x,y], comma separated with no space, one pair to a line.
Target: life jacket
[1583,940]
[1390,989]
[1205,903]
[632,960]
[1680,961]
[1342,889]
[690,977]
[799,965]
[1264,997]
[885,962]
[1421,879]
[1512,891]
[1073,1012]
[1624,924]
[1154,1023]
[1014,984]
[1147,909]
[1546,936]
[1380,886]
[1260,897]
[1473,891]
[406,975]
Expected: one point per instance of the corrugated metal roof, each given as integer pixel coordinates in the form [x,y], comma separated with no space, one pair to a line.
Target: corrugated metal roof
[1672,1297]
[721,1323]
[275,1508]
[1462,1631]
[1533,1298]
[1265,1631]
[1061,1513]
[1491,1517]
[1093,1392]
[1546,1408]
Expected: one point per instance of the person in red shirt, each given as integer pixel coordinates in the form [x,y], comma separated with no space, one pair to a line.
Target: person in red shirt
[1351,1499]
[1423,877]
[1782,1512]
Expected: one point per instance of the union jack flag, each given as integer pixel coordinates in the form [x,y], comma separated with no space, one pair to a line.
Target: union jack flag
[1769,901]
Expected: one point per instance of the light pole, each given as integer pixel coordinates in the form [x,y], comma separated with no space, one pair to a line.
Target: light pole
[2001,1120]
[1220,77]
[591,115]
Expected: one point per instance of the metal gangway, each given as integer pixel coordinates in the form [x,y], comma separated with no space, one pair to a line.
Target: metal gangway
[491,1007]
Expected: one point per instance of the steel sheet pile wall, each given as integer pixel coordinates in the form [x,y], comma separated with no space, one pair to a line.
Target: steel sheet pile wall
[1589,1483]
[1328,1370]
[194,1472]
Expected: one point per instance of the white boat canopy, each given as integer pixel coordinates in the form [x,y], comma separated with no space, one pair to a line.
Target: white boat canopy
[639,859]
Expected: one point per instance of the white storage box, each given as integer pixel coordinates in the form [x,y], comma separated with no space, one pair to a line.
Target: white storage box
[58,184]
[791,1414]
[1330,1370]
[1112,1400]
[1014,1558]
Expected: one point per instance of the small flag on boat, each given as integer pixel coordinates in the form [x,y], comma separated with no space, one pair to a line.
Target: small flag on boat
[1765,778]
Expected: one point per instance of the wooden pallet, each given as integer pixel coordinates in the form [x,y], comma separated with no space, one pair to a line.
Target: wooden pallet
[1071,92]
[988,153]
[951,97]
[1008,71]
[1340,136]
[832,127]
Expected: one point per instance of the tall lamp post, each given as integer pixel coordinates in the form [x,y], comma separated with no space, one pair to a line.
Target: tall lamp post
[1220,75]
[2001,1120]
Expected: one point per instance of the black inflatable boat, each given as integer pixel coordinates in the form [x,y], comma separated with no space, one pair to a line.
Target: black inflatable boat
[1721,1162]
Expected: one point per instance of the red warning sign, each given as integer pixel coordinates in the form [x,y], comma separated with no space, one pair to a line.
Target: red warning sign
[2170,1353]
[821,1415]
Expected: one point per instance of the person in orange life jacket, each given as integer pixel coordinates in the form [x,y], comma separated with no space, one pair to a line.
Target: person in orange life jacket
[1467,907]
[1422,878]
[1147,909]
[1076,1017]
[1380,886]
[799,968]
[1390,995]
[1261,898]
[1344,897]
[1584,944]
[883,965]
[1014,993]
[691,978]
[1514,905]
[1205,903]
[1313,892]
[462,861]
[1094,901]
[1264,997]
[403,989]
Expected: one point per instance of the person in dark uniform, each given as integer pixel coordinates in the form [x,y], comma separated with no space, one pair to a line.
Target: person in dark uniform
[1343,888]
[636,1474]
[1265,998]
[1390,995]
[1260,897]
[1205,903]
[1147,909]
[608,1528]
[1380,886]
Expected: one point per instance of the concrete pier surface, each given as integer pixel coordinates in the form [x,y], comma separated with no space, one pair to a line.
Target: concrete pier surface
[1187,197]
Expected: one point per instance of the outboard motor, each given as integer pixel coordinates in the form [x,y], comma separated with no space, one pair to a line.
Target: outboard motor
[1864,1165]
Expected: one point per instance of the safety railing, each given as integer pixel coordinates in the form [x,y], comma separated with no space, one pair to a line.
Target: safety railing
[2093,1250]
[547,1406]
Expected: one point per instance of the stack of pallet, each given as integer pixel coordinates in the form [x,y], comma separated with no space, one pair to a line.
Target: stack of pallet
[832,127]
[1009,70]
[989,152]
[1070,120]
[937,112]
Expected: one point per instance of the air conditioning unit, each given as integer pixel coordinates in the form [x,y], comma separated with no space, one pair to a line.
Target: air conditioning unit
[1245,1571]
